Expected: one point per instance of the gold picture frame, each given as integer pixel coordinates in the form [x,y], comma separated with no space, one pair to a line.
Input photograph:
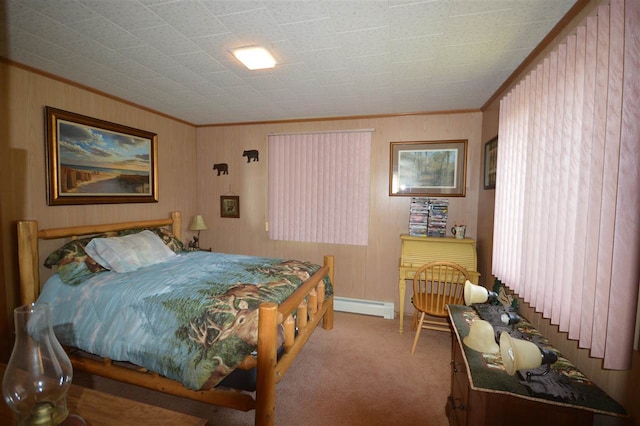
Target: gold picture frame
[428,168]
[91,161]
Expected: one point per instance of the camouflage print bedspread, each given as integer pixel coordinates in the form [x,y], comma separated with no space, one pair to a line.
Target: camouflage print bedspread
[193,318]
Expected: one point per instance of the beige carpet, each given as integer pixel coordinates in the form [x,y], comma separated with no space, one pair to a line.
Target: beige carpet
[359,373]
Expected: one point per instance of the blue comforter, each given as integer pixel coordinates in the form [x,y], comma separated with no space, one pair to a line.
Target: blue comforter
[192,318]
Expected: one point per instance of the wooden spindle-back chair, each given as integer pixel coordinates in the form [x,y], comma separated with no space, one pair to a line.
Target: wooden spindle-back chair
[436,285]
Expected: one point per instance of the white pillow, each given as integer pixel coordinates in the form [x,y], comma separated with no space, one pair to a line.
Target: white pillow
[130,252]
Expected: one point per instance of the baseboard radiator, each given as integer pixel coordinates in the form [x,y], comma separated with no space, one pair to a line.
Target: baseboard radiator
[362,306]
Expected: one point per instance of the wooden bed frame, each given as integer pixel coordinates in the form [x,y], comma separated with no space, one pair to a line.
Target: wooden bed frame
[308,300]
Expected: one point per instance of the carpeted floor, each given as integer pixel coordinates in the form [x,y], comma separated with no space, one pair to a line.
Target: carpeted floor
[359,373]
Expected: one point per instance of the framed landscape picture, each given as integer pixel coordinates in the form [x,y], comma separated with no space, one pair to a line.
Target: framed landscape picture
[90,161]
[428,168]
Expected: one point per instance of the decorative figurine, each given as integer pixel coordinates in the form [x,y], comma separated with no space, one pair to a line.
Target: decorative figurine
[221,168]
[251,154]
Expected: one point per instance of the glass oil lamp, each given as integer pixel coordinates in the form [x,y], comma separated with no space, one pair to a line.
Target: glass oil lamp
[39,372]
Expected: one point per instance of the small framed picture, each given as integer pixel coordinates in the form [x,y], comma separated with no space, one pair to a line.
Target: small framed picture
[229,206]
[490,163]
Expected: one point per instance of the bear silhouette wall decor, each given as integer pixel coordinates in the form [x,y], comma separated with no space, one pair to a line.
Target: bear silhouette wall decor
[222,168]
[251,154]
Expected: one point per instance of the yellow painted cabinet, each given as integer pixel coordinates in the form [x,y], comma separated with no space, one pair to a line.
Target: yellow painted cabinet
[417,251]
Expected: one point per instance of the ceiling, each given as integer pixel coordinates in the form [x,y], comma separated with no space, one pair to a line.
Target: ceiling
[335,57]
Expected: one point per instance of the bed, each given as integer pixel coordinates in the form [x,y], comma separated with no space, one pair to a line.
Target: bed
[298,297]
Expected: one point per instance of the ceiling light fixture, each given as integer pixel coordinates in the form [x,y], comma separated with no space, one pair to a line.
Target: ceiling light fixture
[254,57]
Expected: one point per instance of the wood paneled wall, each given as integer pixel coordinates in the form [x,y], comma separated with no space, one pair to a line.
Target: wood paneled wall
[486,201]
[187,182]
[22,166]
[368,272]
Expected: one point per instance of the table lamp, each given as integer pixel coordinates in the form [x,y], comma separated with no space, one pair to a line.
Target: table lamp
[474,293]
[481,337]
[197,224]
[518,354]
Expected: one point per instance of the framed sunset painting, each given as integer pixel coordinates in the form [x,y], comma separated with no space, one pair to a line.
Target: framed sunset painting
[91,161]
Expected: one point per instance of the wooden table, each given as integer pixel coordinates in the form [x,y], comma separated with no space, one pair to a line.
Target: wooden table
[103,409]
[482,393]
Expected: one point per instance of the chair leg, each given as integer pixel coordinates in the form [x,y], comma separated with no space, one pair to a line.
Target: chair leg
[418,329]
[415,320]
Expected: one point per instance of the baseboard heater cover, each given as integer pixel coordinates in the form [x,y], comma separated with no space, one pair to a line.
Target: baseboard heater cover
[362,306]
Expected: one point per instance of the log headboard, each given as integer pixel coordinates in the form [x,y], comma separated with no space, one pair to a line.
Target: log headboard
[29,236]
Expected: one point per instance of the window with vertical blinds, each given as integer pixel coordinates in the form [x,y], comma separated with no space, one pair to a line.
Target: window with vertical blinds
[567,220]
[319,187]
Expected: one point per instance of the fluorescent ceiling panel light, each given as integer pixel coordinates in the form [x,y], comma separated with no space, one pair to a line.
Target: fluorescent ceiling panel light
[255,58]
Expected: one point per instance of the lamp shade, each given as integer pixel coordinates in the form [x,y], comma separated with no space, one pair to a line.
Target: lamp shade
[518,354]
[474,293]
[481,337]
[197,224]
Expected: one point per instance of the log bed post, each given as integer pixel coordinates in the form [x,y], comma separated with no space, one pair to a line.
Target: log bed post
[267,358]
[327,319]
[28,261]
[176,224]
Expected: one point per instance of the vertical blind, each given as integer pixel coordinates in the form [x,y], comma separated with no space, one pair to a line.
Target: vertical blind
[319,187]
[567,221]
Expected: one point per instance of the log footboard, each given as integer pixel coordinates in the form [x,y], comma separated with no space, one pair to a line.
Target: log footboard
[309,306]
